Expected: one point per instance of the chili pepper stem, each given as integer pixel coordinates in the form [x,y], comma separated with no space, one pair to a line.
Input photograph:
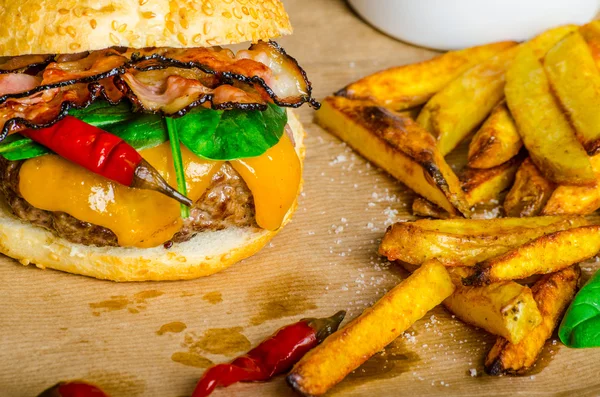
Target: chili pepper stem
[178,162]
[147,177]
[327,326]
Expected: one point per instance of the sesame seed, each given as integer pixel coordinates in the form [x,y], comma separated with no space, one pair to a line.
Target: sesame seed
[114,39]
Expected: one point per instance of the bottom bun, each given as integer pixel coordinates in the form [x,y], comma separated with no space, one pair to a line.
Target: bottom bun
[205,254]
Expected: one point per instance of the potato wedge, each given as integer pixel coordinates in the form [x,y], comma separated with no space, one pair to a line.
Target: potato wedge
[553,293]
[545,131]
[546,254]
[541,43]
[485,185]
[398,145]
[455,111]
[465,242]
[505,309]
[496,142]
[411,85]
[529,193]
[575,79]
[345,350]
[425,208]
[576,200]
[591,34]
[410,113]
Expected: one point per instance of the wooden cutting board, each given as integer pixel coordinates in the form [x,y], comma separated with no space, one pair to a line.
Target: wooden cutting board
[151,339]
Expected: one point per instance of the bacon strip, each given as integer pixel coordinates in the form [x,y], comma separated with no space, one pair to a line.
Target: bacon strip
[103,63]
[14,64]
[265,66]
[163,91]
[110,91]
[11,83]
[45,108]
[165,80]
[289,81]
[96,66]
[173,91]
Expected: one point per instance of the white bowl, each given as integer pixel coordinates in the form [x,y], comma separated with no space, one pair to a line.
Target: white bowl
[453,24]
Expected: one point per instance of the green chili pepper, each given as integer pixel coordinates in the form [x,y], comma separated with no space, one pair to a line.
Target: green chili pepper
[178,162]
[581,325]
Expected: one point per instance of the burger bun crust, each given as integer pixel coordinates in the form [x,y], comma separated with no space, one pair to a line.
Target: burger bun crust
[67,26]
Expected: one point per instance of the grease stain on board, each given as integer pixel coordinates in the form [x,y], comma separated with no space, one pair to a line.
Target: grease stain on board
[191,359]
[213,297]
[223,341]
[174,327]
[394,360]
[285,296]
[121,302]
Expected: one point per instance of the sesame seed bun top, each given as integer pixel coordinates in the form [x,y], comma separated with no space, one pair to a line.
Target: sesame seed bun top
[71,26]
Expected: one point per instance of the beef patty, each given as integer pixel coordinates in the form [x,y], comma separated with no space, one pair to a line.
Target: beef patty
[227,202]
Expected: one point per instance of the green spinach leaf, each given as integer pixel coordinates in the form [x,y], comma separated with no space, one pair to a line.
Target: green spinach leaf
[102,114]
[211,134]
[581,325]
[142,132]
[231,134]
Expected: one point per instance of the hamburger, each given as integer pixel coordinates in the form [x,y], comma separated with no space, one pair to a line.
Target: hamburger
[135,146]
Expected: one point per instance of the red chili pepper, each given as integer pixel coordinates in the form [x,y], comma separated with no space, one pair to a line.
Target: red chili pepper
[73,389]
[102,153]
[273,356]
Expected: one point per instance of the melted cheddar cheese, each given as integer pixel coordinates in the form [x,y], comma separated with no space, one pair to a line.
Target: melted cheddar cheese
[273,179]
[145,218]
[138,217]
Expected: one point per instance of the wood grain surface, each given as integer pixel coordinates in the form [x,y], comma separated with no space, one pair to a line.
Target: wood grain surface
[140,339]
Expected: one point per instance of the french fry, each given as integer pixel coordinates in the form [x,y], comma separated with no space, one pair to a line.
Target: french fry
[465,102]
[580,200]
[546,254]
[529,193]
[465,242]
[345,350]
[411,85]
[425,208]
[575,79]
[485,185]
[544,129]
[553,293]
[505,309]
[398,145]
[496,142]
